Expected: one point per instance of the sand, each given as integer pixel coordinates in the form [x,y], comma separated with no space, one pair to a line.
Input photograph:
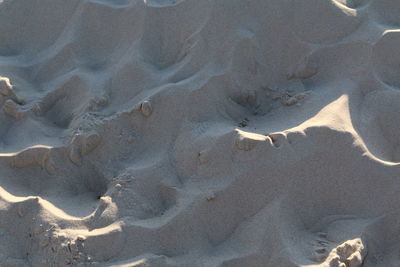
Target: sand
[199,133]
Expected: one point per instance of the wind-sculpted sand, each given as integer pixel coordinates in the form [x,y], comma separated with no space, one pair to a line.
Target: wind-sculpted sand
[199,133]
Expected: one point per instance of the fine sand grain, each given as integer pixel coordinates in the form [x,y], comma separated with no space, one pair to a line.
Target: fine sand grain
[221,133]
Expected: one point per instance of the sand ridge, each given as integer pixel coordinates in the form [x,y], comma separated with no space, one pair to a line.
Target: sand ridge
[199,133]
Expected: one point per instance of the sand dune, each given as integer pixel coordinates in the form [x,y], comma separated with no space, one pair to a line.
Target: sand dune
[199,133]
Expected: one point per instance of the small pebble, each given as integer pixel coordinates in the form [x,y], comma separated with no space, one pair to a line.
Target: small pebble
[5,86]
[118,186]
[146,108]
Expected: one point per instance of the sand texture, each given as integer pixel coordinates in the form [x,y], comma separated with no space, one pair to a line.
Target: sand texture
[215,133]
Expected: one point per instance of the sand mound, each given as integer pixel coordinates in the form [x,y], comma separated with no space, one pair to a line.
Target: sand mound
[199,133]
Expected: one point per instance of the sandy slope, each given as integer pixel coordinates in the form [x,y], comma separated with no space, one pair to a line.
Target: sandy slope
[199,133]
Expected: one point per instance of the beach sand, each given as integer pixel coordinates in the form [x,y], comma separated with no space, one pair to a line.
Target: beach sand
[247,133]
